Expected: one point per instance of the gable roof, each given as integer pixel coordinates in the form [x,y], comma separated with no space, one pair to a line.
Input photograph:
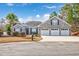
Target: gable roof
[28,24]
[19,25]
[64,21]
[47,24]
[33,23]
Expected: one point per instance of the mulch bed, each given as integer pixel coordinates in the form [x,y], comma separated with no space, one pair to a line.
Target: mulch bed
[75,33]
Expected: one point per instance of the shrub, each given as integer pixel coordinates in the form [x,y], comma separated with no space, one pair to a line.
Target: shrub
[37,35]
[23,34]
[19,34]
[8,29]
[1,32]
[9,33]
[15,34]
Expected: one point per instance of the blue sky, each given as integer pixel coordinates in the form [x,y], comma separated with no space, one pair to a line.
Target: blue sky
[30,11]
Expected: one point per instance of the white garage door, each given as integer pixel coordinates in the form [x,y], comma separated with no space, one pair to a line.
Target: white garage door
[55,32]
[45,32]
[64,32]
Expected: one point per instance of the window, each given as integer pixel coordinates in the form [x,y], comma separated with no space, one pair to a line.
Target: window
[17,29]
[54,29]
[14,29]
[20,29]
[64,29]
[33,30]
[55,22]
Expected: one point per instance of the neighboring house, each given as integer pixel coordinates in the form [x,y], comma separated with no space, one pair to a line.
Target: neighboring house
[3,23]
[52,27]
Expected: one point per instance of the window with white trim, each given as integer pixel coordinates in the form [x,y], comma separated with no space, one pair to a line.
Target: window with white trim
[55,22]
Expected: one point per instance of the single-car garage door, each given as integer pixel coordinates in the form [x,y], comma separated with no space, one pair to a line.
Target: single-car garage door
[45,32]
[54,32]
[64,32]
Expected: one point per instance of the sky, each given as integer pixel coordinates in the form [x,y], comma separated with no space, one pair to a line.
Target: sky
[30,11]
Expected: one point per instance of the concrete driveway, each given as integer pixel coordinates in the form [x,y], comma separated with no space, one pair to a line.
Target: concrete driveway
[39,49]
[60,38]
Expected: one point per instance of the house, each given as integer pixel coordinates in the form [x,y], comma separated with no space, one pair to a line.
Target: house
[3,23]
[52,27]
[28,28]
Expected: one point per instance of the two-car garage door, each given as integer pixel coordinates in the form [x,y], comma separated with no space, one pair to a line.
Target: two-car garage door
[55,32]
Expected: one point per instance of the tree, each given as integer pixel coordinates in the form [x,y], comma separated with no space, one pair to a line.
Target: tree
[67,11]
[71,11]
[12,18]
[53,14]
[8,29]
[76,13]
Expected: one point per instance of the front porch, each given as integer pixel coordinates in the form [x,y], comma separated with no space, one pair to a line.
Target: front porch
[27,31]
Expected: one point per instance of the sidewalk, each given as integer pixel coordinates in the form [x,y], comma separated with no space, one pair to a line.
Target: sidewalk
[60,38]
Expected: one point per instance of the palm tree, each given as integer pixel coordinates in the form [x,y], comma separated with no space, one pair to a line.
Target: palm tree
[12,18]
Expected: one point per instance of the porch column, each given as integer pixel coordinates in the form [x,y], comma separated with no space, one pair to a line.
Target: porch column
[25,31]
[38,31]
[69,32]
[59,32]
[29,30]
[49,32]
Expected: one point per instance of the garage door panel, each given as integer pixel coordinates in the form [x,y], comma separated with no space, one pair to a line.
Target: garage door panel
[64,32]
[55,32]
[45,32]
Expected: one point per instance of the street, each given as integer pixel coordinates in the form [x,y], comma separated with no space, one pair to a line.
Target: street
[39,49]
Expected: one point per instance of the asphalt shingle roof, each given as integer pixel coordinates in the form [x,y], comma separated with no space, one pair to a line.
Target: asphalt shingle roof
[33,23]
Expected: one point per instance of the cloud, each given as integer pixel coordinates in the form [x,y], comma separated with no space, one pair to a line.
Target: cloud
[38,16]
[24,20]
[21,20]
[46,17]
[42,18]
[50,7]
[10,4]
[24,4]
[29,18]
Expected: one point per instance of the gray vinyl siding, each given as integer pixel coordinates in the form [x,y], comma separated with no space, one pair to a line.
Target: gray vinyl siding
[47,24]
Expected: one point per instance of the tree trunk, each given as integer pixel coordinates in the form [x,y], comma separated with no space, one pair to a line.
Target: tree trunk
[11,30]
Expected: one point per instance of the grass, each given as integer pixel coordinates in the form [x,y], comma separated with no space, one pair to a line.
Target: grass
[18,39]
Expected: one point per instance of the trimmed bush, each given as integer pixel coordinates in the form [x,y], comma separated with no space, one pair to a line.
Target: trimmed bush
[9,33]
[36,34]
[1,32]
[23,34]
[19,34]
[15,34]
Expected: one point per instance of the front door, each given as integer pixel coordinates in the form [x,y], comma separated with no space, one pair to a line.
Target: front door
[27,30]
